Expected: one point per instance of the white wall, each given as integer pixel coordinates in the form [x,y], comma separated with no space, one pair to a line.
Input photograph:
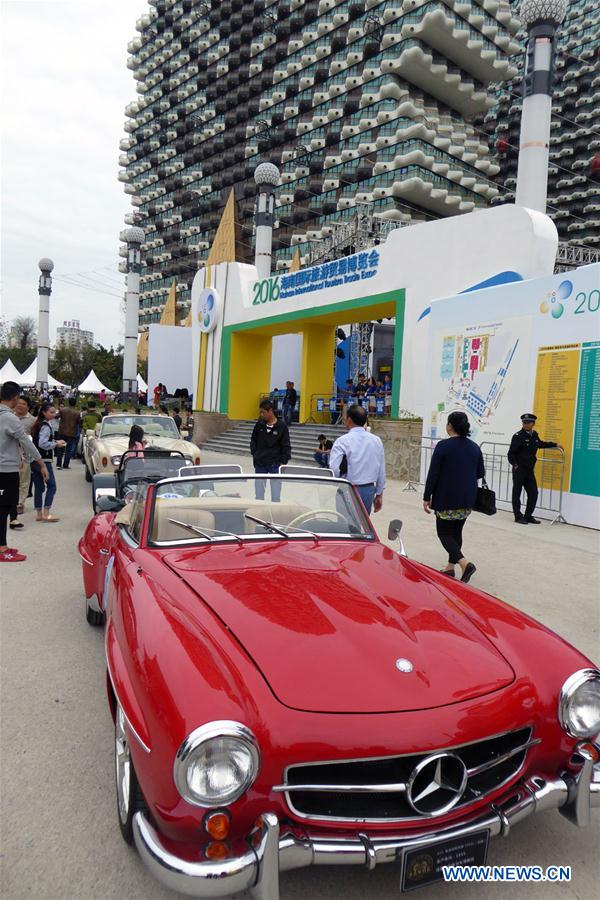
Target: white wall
[286,360]
[170,357]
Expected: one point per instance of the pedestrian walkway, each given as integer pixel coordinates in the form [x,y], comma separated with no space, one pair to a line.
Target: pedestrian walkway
[548,571]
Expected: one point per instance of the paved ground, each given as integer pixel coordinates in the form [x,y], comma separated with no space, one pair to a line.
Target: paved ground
[59,832]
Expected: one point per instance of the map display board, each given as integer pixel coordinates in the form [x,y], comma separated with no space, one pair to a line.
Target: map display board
[532,346]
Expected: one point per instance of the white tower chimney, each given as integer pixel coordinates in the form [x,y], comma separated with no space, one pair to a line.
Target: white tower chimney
[266,176]
[541,19]
[43,339]
[134,238]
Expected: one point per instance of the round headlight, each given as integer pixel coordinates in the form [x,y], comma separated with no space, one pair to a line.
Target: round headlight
[579,704]
[115,460]
[216,764]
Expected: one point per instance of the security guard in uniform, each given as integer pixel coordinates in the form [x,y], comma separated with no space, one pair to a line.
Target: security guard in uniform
[522,457]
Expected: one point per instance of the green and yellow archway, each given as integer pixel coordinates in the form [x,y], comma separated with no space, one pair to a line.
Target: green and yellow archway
[246,351]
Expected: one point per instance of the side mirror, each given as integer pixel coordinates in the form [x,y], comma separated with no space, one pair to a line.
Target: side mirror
[394,529]
[90,433]
[109,504]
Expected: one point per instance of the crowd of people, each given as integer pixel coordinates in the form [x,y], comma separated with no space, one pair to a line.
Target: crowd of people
[38,434]
[43,431]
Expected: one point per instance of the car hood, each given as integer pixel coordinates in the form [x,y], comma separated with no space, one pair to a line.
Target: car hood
[326,624]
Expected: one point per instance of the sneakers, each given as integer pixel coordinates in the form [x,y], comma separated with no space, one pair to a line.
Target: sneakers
[12,555]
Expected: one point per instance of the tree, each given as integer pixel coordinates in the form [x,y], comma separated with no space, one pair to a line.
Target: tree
[23,333]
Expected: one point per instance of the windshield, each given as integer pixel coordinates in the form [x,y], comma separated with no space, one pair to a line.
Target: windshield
[249,507]
[150,465]
[159,426]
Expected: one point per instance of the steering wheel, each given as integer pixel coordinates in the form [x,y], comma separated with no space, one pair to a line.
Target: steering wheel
[315,513]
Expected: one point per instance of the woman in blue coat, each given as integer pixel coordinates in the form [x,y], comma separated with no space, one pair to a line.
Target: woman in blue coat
[451,490]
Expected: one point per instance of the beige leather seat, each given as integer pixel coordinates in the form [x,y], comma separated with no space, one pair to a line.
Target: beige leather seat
[279,513]
[189,512]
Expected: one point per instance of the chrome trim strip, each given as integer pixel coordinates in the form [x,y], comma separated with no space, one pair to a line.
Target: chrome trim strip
[477,770]
[88,562]
[310,817]
[131,728]
[342,788]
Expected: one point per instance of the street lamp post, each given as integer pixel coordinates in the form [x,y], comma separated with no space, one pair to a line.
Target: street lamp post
[134,238]
[541,18]
[43,338]
[266,176]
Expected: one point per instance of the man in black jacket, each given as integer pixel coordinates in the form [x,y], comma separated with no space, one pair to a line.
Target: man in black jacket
[289,402]
[522,457]
[270,448]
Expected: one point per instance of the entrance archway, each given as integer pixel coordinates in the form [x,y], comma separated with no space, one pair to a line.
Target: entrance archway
[246,351]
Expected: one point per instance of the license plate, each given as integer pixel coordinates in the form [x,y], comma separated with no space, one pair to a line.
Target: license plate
[423,866]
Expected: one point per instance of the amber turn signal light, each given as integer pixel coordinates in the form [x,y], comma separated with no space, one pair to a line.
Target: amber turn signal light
[216,825]
[216,850]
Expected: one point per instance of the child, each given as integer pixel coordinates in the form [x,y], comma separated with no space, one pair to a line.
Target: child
[136,439]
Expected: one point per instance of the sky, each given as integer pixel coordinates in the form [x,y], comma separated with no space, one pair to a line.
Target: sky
[64,86]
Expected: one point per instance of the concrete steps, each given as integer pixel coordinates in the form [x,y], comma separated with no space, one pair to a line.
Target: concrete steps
[236,440]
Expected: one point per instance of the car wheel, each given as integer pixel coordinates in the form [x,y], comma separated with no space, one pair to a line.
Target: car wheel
[92,615]
[88,475]
[129,796]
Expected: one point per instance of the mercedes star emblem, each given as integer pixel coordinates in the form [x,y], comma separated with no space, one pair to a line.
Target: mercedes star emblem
[436,784]
[404,665]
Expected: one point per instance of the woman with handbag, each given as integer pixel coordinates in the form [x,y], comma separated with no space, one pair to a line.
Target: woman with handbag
[451,490]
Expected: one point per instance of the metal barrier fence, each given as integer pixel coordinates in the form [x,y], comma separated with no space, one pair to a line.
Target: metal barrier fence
[328,408]
[419,457]
[550,473]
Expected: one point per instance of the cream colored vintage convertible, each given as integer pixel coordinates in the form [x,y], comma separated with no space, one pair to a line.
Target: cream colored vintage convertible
[104,446]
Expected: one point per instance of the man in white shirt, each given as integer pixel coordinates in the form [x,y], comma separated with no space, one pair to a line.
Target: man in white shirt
[365,456]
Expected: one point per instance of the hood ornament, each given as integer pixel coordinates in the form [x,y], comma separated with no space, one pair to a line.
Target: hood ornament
[404,665]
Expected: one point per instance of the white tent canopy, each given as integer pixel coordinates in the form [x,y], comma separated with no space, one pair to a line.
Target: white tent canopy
[9,372]
[29,375]
[142,386]
[28,378]
[92,385]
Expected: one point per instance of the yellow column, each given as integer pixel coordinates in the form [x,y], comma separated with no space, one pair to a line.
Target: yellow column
[250,373]
[318,342]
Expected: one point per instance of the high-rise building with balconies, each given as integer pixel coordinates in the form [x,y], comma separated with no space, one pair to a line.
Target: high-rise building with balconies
[574,164]
[356,100]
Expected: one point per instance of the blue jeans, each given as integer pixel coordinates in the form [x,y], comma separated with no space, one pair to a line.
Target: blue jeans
[43,493]
[68,451]
[322,458]
[260,483]
[366,493]
[287,413]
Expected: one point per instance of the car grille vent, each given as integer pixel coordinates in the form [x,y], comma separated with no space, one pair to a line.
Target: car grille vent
[489,764]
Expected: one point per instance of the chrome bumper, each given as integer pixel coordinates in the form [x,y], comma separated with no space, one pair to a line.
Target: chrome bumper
[258,869]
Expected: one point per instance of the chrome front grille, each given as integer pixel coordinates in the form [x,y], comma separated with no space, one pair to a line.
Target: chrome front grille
[392,788]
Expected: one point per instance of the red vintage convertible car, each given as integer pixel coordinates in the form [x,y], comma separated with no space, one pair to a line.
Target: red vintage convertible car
[288,691]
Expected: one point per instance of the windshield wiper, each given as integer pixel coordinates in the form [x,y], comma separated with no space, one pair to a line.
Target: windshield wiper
[297,528]
[268,525]
[193,528]
[214,530]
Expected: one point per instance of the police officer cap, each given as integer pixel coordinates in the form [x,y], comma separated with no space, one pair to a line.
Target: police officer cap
[528,417]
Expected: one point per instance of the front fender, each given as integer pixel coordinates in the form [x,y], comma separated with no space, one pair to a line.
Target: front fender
[124,691]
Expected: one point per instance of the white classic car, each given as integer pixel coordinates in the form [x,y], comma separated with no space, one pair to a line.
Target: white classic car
[104,446]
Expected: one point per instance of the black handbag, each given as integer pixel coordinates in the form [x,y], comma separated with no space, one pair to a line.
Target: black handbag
[486,500]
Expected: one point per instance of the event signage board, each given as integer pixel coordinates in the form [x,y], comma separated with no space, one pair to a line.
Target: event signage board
[534,347]
[338,272]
